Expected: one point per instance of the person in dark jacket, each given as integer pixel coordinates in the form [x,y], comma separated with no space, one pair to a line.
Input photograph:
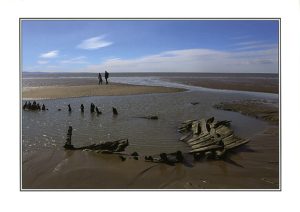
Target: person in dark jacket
[106,75]
[100,79]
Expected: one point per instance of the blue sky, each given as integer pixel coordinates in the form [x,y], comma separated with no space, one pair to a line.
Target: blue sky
[150,45]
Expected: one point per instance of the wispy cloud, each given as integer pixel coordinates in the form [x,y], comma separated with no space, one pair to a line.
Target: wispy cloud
[196,60]
[41,62]
[252,45]
[94,43]
[245,43]
[75,60]
[50,54]
[258,46]
[247,60]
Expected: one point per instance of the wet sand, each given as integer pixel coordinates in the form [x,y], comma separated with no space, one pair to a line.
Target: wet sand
[255,166]
[55,92]
[264,110]
[267,85]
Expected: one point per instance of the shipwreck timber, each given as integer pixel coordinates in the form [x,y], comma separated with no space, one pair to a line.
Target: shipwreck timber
[209,137]
[104,147]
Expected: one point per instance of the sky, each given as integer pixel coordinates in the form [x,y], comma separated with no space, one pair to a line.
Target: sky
[219,46]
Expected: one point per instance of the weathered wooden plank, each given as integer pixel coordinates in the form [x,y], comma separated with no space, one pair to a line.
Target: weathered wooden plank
[237,144]
[203,127]
[196,128]
[204,149]
[198,139]
[188,122]
[224,131]
[185,137]
[231,141]
[204,144]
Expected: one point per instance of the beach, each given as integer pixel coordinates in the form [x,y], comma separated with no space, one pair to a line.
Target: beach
[55,92]
[46,165]
[253,167]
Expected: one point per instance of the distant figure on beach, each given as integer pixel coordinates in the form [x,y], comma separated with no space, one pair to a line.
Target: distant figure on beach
[92,107]
[106,74]
[82,108]
[43,107]
[100,79]
[69,106]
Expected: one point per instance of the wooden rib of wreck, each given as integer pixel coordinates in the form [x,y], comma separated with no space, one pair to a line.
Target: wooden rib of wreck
[209,137]
[150,117]
[104,147]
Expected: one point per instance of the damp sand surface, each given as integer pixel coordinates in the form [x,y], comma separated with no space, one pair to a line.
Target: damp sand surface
[231,82]
[114,89]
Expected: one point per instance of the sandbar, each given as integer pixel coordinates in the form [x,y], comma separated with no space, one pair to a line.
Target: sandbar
[267,85]
[56,92]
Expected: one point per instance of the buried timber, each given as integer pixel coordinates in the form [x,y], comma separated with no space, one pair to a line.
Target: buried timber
[208,139]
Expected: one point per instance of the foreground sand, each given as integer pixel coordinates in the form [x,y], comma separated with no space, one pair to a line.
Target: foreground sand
[255,166]
[55,92]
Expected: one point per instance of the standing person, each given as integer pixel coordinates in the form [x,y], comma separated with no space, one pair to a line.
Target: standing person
[106,76]
[100,79]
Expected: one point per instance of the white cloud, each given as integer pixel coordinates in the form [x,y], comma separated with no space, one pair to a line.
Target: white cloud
[196,60]
[50,54]
[94,43]
[75,60]
[247,43]
[42,62]
[258,46]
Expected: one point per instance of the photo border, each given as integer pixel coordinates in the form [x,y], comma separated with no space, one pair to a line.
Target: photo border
[157,19]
